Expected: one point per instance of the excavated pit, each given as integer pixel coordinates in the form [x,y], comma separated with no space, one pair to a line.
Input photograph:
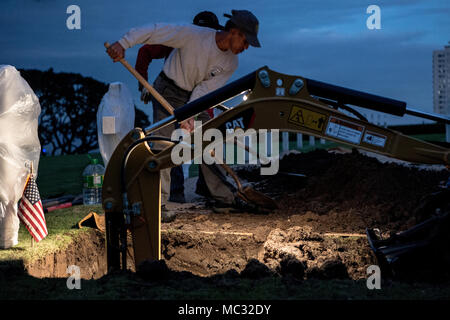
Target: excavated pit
[317,232]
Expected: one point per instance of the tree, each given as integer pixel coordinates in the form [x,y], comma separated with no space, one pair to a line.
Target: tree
[69,102]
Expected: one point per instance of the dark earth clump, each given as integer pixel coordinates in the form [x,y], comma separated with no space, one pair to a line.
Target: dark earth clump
[363,191]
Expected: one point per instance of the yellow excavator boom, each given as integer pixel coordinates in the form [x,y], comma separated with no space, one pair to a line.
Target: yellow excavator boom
[131,188]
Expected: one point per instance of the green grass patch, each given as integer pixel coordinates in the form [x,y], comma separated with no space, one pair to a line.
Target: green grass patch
[62,174]
[58,175]
[61,225]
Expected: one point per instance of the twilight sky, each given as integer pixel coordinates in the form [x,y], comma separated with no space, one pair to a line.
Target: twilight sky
[323,40]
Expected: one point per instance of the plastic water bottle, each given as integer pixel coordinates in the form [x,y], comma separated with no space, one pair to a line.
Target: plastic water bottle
[92,182]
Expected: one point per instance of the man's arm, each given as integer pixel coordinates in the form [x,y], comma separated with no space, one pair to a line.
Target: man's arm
[203,88]
[207,86]
[145,56]
[171,35]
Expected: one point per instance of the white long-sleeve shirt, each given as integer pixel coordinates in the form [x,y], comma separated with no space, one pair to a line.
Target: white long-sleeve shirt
[196,64]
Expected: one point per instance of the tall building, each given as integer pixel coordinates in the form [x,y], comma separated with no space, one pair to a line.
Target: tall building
[441,80]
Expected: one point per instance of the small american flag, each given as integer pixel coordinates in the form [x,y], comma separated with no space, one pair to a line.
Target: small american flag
[31,212]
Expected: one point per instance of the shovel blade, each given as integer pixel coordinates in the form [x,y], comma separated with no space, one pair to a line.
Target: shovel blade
[258,198]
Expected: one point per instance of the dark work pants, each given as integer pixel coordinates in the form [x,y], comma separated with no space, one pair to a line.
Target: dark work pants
[211,177]
[176,98]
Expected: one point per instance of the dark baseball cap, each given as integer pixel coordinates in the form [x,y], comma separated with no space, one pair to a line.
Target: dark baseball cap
[207,19]
[246,21]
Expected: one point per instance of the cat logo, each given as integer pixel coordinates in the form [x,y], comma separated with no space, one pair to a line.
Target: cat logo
[307,118]
[243,120]
[237,123]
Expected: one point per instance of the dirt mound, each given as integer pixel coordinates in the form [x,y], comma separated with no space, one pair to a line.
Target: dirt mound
[206,253]
[352,191]
[302,253]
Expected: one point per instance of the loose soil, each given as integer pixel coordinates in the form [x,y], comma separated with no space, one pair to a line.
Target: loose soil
[317,232]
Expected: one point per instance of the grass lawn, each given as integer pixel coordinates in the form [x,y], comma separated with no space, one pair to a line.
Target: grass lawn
[61,225]
[60,175]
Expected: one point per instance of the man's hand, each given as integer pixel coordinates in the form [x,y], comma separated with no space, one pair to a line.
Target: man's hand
[145,95]
[188,124]
[116,51]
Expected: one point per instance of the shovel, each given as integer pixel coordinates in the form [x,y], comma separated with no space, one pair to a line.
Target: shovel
[248,194]
[144,82]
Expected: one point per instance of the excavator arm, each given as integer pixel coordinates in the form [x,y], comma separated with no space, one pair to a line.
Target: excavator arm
[131,188]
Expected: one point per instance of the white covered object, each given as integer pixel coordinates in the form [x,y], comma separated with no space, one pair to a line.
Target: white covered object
[115,118]
[19,146]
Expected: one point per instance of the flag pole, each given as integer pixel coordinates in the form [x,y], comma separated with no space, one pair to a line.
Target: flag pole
[31,177]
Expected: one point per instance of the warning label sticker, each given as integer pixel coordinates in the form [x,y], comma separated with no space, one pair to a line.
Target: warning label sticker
[307,118]
[375,139]
[345,130]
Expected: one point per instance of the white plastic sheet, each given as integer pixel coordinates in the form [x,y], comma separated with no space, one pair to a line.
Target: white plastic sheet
[115,118]
[19,147]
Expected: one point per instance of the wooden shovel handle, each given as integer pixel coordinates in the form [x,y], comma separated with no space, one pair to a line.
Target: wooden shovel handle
[230,172]
[233,175]
[144,82]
